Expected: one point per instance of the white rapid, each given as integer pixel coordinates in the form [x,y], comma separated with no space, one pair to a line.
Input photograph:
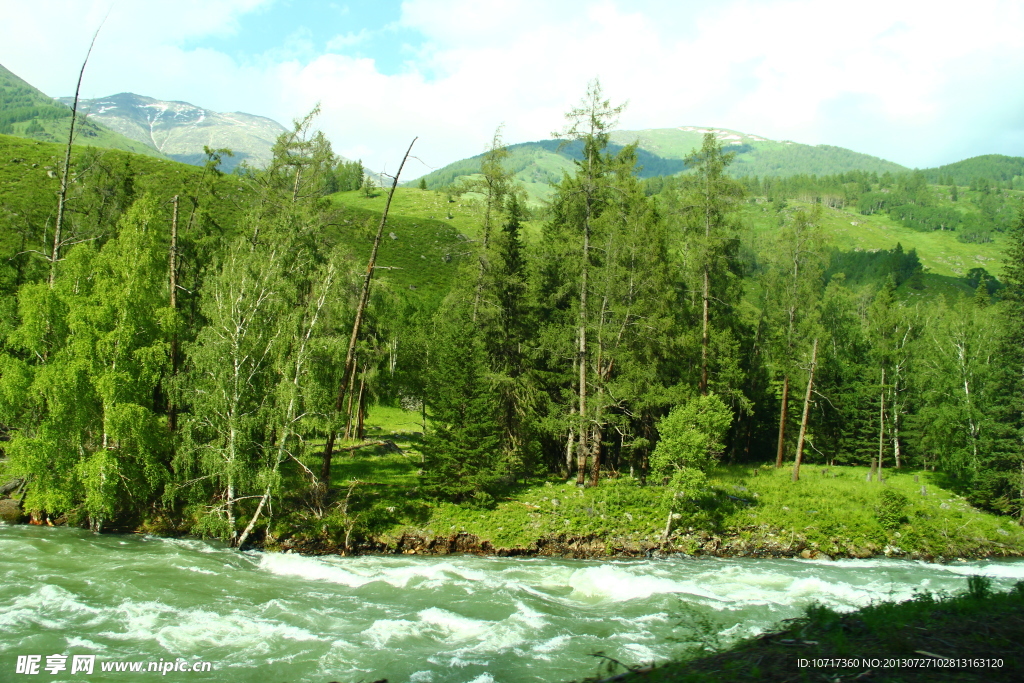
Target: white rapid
[287,618]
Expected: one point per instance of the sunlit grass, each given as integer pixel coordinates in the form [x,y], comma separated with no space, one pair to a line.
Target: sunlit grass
[832,510]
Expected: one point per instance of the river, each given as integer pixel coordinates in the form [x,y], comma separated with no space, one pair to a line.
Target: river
[275,618]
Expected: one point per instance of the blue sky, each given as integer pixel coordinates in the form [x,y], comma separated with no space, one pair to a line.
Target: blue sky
[292,29]
[916,82]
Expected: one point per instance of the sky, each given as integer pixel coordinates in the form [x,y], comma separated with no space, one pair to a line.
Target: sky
[918,83]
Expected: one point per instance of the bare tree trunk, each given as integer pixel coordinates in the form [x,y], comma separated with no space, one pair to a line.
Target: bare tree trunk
[570,449]
[252,521]
[349,405]
[361,416]
[705,334]
[581,453]
[364,297]
[172,410]
[782,421]
[230,509]
[807,410]
[881,427]
[595,444]
[62,196]
[896,433]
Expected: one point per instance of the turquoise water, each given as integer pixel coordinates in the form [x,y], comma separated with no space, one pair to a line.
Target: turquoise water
[287,618]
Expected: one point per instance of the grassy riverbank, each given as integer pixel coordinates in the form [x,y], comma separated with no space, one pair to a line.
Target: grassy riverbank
[982,631]
[745,511]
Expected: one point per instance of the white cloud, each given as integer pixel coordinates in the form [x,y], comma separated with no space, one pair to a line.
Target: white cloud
[911,81]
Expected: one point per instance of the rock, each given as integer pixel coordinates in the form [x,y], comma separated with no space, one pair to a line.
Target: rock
[10,511]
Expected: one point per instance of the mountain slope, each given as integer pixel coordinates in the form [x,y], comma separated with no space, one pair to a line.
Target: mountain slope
[661,151]
[27,112]
[180,130]
[756,155]
[991,167]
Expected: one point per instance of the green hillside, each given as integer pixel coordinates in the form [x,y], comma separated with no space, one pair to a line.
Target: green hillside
[27,112]
[423,260]
[1007,171]
[661,151]
[940,251]
[429,244]
[756,155]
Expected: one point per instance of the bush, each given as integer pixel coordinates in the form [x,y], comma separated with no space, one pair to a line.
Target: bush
[891,509]
[691,436]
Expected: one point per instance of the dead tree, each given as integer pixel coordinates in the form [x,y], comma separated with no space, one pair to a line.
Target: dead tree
[807,410]
[62,195]
[349,372]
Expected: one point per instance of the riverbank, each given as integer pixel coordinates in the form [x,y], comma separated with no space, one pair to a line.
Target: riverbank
[977,636]
[745,511]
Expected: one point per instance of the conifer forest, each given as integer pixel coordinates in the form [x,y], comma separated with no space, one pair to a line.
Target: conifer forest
[201,351]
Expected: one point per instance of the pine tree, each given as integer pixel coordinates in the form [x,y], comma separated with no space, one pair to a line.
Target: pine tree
[1004,479]
[792,286]
[704,207]
[579,203]
[462,450]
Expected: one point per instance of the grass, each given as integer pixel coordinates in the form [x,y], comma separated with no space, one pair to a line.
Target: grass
[427,250]
[29,181]
[745,510]
[940,252]
[87,133]
[979,625]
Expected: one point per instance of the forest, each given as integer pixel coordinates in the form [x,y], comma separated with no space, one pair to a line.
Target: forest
[201,346]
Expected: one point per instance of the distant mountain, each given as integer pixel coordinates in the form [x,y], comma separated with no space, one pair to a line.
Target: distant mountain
[661,151]
[180,130]
[757,155]
[991,167]
[27,112]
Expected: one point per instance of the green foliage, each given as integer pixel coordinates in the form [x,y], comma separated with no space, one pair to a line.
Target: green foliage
[90,398]
[462,451]
[979,587]
[863,267]
[691,436]
[892,505]
[349,176]
[627,292]
[970,171]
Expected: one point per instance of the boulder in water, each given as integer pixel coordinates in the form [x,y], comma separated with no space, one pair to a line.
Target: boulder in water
[10,511]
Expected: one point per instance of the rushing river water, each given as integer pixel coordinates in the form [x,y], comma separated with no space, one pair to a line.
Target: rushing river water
[286,618]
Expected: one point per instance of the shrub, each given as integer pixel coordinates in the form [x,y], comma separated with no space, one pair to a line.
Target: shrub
[691,436]
[891,508]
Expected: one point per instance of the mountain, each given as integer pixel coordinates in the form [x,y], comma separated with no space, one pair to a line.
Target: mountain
[27,112]
[757,155]
[661,151]
[180,130]
[990,167]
